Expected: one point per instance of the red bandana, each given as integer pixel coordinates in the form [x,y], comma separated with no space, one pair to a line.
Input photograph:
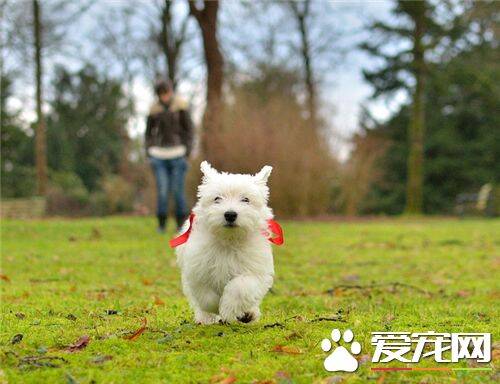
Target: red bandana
[273,226]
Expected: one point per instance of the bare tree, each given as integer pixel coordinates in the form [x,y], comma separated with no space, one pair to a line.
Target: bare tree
[206,16]
[302,13]
[148,40]
[172,41]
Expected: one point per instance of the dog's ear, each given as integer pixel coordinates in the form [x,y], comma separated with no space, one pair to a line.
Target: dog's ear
[207,170]
[263,174]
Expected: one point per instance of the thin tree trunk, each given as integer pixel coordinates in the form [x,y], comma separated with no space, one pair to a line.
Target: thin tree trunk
[40,135]
[414,190]
[307,62]
[166,44]
[301,16]
[207,20]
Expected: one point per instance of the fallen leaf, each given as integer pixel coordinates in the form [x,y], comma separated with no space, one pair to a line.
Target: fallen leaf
[363,359]
[4,278]
[147,282]
[100,296]
[283,377]
[139,332]
[287,349]
[16,339]
[496,354]
[72,238]
[20,315]
[390,317]
[159,301]
[381,379]
[80,344]
[222,379]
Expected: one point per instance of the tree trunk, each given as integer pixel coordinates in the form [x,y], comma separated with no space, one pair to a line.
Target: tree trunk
[40,135]
[207,20]
[414,188]
[307,62]
[167,45]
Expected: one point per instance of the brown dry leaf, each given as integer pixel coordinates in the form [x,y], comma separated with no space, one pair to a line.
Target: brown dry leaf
[287,349]
[463,293]
[158,301]
[139,332]
[338,292]
[101,296]
[495,354]
[381,379]
[363,359]
[147,282]
[216,378]
[221,379]
[80,344]
[282,375]
[390,317]
[228,380]
[4,278]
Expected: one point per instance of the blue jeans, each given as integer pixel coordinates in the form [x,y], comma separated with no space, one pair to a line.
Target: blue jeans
[170,176]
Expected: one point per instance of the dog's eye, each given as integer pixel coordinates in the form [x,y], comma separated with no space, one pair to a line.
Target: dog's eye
[217,199]
[245,200]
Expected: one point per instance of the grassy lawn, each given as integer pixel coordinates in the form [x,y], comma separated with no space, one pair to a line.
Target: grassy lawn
[62,280]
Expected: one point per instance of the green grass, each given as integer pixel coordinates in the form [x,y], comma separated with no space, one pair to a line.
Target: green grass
[65,275]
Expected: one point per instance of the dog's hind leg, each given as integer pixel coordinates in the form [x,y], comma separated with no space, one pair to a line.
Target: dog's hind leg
[241,298]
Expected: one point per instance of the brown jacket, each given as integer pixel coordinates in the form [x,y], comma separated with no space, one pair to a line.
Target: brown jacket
[169,125]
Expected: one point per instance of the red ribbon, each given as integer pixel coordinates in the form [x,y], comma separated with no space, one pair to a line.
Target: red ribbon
[185,236]
[273,226]
[275,229]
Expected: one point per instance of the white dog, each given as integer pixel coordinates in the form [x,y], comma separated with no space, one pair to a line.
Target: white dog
[225,256]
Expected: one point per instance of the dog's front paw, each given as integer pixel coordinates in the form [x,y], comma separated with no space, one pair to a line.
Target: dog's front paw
[247,316]
[205,318]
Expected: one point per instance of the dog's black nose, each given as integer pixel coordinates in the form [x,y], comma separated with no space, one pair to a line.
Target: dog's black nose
[230,216]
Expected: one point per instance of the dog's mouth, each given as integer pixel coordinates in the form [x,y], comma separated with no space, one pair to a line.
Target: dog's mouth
[230,225]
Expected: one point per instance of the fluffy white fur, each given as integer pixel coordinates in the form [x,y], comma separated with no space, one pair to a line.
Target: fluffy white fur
[226,271]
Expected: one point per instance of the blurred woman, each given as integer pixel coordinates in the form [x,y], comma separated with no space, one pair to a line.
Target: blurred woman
[169,140]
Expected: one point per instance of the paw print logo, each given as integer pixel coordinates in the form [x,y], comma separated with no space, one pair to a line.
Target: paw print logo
[341,359]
